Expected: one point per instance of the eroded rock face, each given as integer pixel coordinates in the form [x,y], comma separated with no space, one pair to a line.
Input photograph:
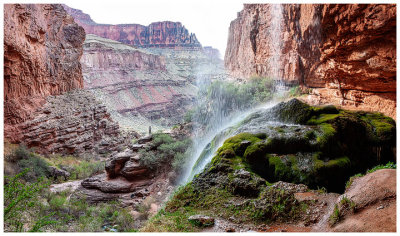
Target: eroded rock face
[164,34]
[345,52]
[133,82]
[42,48]
[72,123]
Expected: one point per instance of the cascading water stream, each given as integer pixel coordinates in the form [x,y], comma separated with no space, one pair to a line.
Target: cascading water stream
[275,41]
[208,139]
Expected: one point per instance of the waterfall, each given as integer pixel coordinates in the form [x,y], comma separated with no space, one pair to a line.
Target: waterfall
[275,41]
[219,119]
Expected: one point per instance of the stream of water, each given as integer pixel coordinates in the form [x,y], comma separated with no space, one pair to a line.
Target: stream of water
[220,121]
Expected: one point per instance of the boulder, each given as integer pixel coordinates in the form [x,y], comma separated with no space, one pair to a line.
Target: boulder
[201,220]
[56,172]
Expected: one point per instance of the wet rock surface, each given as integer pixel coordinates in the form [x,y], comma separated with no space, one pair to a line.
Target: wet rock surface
[295,142]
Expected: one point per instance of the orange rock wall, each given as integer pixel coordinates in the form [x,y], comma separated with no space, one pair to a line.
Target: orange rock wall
[346,53]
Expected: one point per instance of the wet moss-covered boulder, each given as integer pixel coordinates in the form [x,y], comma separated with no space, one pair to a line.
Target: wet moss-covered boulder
[316,146]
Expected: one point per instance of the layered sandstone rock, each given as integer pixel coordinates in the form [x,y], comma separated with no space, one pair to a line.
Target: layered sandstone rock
[72,123]
[42,48]
[164,34]
[123,173]
[134,83]
[344,52]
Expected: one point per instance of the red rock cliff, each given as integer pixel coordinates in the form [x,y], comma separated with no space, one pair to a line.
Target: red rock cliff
[164,34]
[42,48]
[346,53]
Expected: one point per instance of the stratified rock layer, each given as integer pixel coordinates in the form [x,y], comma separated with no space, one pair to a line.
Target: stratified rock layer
[134,83]
[345,52]
[42,48]
[164,34]
[72,123]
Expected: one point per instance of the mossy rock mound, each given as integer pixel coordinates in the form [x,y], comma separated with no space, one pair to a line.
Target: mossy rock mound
[316,146]
[330,146]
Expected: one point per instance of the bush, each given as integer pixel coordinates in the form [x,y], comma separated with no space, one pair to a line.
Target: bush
[57,202]
[165,150]
[295,91]
[86,169]
[21,201]
[37,165]
[160,138]
[22,152]
[389,165]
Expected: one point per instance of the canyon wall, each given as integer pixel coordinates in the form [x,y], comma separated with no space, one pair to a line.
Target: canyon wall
[134,84]
[164,34]
[45,106]
[344,53]
[42,48]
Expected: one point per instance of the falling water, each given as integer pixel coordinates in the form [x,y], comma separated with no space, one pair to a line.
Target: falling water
[275,41]
[219,119]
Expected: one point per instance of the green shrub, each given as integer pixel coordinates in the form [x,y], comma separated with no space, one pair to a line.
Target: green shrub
[21,202]
[165,150]
[21,153]
[295,91]
[37,165]
[86,169]
[389,165]
[57,202]
[160,138]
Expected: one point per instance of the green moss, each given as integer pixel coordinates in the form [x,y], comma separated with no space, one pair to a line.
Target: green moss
[245,136]
[280,130]
[310,135]
[254,149]
[382,126]
[339,162]
[327,132]
[281,170]
[322,118]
